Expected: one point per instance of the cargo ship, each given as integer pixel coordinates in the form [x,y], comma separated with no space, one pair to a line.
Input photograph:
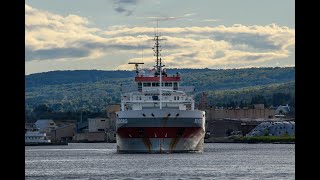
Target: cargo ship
[157,115]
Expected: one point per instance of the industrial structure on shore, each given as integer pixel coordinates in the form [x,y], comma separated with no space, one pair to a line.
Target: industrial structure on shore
[221,122]
[225,121]
[98,129]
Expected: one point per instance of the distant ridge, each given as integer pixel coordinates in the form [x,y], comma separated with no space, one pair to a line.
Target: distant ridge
[95,89]
[85,76]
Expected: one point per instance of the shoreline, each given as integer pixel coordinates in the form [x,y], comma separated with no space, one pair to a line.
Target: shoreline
[253,139]
[234,142]
[243,140]
[44,144]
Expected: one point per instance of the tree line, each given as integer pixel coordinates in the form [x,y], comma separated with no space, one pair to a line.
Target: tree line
[64,94]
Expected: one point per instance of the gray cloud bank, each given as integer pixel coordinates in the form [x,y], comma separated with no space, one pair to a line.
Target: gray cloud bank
[53,37]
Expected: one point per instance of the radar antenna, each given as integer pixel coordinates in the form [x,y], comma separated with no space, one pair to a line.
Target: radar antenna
[136,66]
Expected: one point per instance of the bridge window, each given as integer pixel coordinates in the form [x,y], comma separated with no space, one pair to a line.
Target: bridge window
[146,84]
[175,86]
[168,84]
[156,84]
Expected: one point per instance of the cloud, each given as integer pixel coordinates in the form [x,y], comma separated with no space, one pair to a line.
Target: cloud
[210,20]
[169,18]
[189,14]
[56,53]
[53,37]
[269,38]
[125,6]
[120,9]
[163,18]
[258,41]
[126,1]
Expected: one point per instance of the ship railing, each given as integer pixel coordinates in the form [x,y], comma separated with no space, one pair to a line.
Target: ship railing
[127,88]
[156,88]
[156,101]
[164,90]
[187,88]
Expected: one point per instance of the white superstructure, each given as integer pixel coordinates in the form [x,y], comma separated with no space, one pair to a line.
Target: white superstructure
[33,136]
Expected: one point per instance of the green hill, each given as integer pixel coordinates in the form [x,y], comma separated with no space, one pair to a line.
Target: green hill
[93,90]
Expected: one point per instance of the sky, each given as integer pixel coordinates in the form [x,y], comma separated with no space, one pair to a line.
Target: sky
[107,34]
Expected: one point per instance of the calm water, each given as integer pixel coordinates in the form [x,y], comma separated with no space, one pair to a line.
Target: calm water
[218,161]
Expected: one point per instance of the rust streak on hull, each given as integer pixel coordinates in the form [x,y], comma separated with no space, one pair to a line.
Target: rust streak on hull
[147,143]
[174,143]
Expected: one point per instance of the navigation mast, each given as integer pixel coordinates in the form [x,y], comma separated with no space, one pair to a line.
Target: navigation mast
[157,49]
